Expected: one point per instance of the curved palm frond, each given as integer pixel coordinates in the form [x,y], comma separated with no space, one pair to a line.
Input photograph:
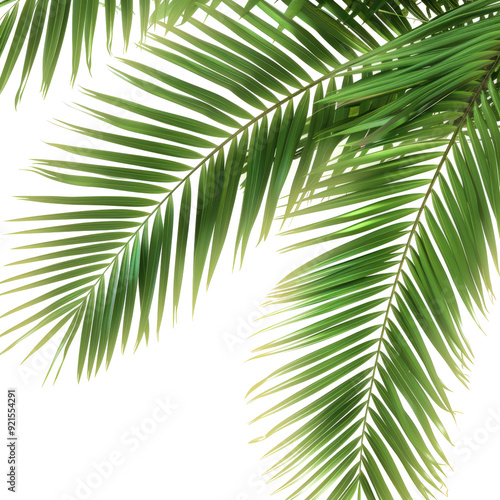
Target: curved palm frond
[249,131]
[23,25]
[415,188]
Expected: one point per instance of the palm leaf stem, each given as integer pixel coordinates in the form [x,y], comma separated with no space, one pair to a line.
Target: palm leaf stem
[204,160]
[449,146]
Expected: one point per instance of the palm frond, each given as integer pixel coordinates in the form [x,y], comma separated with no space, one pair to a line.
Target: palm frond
[415,188]
[126,246]
[42,26]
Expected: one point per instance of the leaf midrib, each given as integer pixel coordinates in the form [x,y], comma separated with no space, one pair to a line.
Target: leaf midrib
[202,162]
[404,255]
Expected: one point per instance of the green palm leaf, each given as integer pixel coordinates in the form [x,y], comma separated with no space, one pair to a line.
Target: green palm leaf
[110,248]
[419,178]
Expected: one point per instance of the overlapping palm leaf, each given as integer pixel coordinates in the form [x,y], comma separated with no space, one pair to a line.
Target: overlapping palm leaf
[412,129]
[376,320]
[134,240]
[40,27]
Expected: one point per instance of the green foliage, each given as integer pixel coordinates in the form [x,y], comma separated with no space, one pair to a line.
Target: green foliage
[110,244]
[395,147]
[417,187]
[42,26]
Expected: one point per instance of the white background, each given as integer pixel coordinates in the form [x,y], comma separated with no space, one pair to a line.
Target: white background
[68,430]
